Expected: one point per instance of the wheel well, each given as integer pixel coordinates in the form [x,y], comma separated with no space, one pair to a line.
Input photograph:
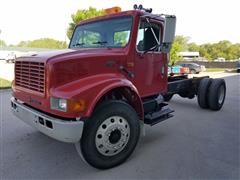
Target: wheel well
[124,94]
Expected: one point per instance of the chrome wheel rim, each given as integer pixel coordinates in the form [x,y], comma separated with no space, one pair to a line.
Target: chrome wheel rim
[221,95]
[112,136]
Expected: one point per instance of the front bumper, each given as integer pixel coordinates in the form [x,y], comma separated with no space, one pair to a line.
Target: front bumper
[62,130]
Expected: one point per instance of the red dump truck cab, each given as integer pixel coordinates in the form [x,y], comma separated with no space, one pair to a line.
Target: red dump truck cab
[86,73]
[112,78]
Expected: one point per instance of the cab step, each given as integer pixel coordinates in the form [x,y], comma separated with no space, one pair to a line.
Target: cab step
[158,116]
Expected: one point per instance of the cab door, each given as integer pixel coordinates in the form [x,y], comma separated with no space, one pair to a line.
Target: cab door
[150,65]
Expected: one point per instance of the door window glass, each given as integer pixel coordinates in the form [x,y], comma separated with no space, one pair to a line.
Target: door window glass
[146,39]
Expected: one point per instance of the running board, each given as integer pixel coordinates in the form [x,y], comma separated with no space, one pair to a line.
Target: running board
[158,116]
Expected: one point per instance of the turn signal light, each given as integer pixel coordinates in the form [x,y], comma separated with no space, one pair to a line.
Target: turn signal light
[76,106]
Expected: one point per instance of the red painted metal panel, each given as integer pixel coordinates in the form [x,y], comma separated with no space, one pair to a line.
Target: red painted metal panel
[87,74]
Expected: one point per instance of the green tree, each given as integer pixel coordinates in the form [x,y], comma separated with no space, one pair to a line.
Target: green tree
[81,15]
[2,43]
[44,43]
[183,41]
[179,44]
[223,49]
[204,51]
[193,47]
[174,53]
[233,52]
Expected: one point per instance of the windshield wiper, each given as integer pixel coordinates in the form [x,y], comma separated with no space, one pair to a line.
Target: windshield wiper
[78,44]
[100,42]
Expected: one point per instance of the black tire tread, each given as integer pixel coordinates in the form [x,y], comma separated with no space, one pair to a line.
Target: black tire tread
[213,94]
[202,96]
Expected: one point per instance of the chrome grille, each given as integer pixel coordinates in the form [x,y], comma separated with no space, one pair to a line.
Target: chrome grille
[30,75]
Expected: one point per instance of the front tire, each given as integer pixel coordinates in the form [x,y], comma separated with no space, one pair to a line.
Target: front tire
[110,135]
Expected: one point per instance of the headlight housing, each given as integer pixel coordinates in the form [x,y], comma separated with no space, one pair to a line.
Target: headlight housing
[58,104]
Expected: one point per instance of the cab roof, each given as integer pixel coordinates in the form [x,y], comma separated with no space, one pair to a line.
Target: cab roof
[133,13]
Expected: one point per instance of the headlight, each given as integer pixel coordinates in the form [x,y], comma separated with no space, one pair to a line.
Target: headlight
[58,104]
[62,104]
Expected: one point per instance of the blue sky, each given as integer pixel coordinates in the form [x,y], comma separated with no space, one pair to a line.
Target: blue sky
[202,20]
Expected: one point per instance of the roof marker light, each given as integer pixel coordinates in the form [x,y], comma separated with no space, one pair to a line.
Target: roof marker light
[112,10]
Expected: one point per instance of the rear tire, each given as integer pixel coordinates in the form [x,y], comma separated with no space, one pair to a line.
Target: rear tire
[110,135]
[217,93]
[202,96]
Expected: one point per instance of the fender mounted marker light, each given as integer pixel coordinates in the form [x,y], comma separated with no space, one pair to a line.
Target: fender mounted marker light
[76,106]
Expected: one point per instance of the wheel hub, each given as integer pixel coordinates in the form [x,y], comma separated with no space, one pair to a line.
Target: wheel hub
[112,136]
[115,136]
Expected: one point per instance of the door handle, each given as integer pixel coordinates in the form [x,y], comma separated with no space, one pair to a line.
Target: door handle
[162,70]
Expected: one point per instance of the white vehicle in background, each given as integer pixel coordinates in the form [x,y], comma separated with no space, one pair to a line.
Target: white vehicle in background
[203,68]
[220,59]
[3,55]
[11,57]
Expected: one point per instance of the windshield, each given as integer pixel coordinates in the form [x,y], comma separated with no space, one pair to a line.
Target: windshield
[106,33]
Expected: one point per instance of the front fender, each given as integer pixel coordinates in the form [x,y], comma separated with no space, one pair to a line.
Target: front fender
[91,89]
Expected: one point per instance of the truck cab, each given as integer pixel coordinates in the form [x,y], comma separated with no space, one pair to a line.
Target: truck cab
[97,93]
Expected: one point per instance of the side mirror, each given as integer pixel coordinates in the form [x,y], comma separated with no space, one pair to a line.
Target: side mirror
[168,33]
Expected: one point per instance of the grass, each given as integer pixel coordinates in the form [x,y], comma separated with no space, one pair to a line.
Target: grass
[5,84]
[217,69]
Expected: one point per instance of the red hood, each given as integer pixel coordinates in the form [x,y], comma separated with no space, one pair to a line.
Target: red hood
[44,56]
[64,67]
[69,54]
